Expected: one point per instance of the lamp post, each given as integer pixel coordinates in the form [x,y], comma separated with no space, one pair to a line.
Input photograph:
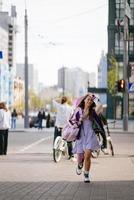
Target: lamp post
[26,122]
[125,65]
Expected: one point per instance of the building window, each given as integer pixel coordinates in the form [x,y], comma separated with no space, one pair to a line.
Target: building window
[10,49]
[10,31]
[118,44]
[131,43]
[10,54]
[10,37]
[132,15]
[10,60]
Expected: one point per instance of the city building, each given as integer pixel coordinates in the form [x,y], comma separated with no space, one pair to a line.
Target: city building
[102,77]
[73,81]
[18,94]
[7,46]
[92,79]
[32,75]
[116,49]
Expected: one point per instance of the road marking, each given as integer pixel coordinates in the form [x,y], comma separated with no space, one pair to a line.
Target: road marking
[34,144]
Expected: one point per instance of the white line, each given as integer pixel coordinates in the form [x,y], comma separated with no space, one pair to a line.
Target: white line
[34,144]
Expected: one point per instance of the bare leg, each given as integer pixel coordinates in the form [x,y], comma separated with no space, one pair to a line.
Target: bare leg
[87,165]
[87,160]
[80,158]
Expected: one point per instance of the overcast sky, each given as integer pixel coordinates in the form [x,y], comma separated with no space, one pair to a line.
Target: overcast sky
[69,33]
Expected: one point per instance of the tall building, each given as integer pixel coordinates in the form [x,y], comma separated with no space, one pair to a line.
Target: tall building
[92,79]
[7,46]
[102,77]
[116,49]
[73,81]
[33,75]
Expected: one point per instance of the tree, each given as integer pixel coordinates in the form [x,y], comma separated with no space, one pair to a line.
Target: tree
[112,75]
[35,102]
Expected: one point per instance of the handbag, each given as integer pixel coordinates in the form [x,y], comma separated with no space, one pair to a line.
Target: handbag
[71,130]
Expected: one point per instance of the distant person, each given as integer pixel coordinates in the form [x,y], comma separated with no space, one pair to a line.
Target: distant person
[43,118]
[40,118]
[100,122]
[13,118]
[5,122]
[43,115]
[63,112]
[48,121]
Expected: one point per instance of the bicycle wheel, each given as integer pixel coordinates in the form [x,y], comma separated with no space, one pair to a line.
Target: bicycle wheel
[110,146]
[57,152]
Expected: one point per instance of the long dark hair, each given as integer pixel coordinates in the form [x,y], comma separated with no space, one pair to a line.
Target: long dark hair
[63,99]
[82,105]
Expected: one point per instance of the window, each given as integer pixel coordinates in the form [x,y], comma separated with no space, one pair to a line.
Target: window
[118,44]
[131,43]
[10,37]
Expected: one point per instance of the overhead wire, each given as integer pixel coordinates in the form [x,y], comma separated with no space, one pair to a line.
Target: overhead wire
[79,14]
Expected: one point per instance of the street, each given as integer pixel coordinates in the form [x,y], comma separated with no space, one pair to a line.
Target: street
[29,172]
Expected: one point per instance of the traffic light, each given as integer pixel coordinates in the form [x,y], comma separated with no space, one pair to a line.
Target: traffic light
[121,85]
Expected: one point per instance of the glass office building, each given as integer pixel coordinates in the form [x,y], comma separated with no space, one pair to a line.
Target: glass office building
[116,49]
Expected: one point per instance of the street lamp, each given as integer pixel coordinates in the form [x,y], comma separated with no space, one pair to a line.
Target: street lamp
[127,14]
[26,120]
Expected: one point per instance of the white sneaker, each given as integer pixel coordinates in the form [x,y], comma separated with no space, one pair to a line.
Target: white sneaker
[79,169]
[73,159]
[105,151]
[86,178]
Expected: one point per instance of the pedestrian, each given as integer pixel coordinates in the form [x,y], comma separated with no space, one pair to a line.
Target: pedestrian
[48,120]
[87,140]
[43,115]
[40,118]
[13,118]
[5,123]
[100,121]
[62,115]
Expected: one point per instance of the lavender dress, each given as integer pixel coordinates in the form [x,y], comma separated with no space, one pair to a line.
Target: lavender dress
[87,140]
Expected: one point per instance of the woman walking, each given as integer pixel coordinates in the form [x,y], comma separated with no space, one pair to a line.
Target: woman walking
[86,141]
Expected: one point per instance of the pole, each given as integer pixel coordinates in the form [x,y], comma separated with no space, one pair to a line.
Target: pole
[26,122]
[63,81]
[125,77]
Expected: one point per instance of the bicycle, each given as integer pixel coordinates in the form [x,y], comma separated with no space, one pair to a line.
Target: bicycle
[110,149]
[59,148]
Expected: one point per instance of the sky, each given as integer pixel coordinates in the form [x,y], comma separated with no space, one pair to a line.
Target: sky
[70,33]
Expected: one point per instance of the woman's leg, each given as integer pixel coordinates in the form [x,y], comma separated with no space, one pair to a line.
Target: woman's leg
[5,141]
[1,142]
[80,160]
[87,160]
[87,165]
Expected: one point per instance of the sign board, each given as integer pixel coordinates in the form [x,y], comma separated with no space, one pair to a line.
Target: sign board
[1,55]
[131,87]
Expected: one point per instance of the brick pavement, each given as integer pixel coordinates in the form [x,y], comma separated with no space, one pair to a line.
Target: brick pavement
[34,176]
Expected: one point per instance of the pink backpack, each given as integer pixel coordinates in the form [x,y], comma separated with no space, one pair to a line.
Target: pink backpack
[72,128]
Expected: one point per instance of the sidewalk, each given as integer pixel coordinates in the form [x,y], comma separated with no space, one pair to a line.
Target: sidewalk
[32,175]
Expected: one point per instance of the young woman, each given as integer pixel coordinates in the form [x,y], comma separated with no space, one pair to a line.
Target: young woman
[87,140]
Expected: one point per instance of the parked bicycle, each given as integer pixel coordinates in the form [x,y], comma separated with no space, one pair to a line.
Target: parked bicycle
[59,148]
[110,148]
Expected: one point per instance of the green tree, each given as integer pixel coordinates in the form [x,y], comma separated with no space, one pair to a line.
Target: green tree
[35,102]
[112,75]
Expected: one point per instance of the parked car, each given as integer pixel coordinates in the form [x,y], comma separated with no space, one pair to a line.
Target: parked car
[33,121]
